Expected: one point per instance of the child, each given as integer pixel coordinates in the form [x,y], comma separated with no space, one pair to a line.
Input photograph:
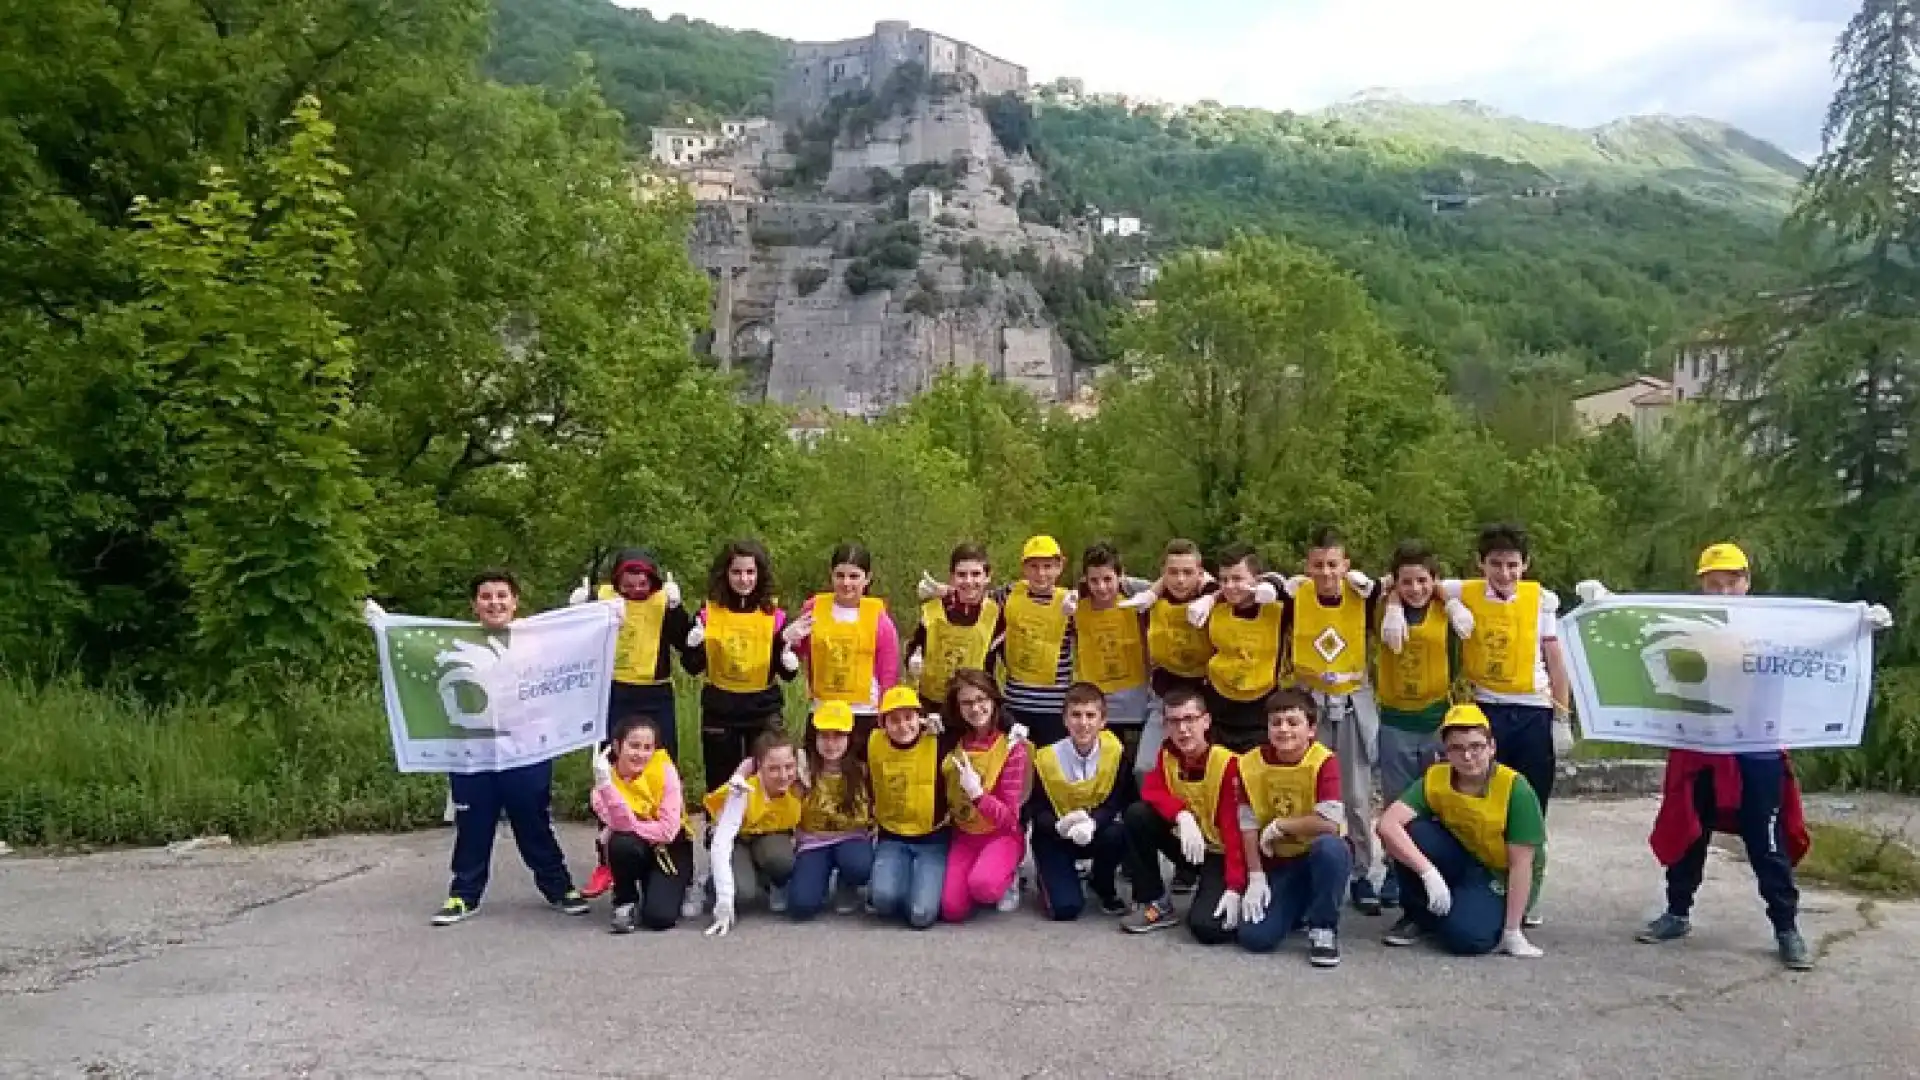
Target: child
[524,793]
[761,804]
[1245,666]
[910,810]
[956,624]
[1177,650]
[1414,681]
[1189,808]
[1080,816]
[1752,794]
[836,819]
[986,782]
[1293,784]
[655,628]
[1466,836]
[1328,649]
[736,641]
[1033,643]
[847,640]
[636,791]
[1110,643]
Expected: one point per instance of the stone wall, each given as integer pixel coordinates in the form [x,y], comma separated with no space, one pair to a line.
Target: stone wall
[817,72]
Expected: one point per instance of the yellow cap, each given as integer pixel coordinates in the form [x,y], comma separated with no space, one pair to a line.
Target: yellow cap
[1722,557]
[1041,547]
[900,697]
[1467,715]
[833,716]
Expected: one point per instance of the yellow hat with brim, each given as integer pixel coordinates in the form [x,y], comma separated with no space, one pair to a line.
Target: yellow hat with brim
[833,716]
[1722,557]
[1041,547]
[1468,715]
[900,697]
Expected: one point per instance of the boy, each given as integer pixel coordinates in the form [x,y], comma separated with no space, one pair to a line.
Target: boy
[1032,639]
[1466,836]
[1753,794]
[1294,790]
[957,624]
[1190,810]
[1085,792]
[1177,650]
[1247,641]
[525,794]
[1110,644]
[911,833]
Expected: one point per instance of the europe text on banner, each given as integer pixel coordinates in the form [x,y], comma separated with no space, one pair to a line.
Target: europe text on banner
[463,699]
[1721,673]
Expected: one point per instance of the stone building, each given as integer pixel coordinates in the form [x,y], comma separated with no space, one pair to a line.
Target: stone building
[818,72]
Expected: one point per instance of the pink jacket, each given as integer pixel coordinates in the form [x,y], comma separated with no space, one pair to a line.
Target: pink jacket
[1000,804]
[662,828]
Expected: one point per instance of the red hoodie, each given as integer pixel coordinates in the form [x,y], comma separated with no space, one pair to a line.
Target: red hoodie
[1677,826]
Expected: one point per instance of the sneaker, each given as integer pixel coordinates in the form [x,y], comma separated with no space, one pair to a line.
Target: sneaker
[1364,898]
[1390,891]
[572,903]
[1323,948]
[1668,927]
[694,904]
[1186,878]
[1158,915]
[1010,900]
[1405,932]
[777,899]
[1111,904]
[1793,951]
[624,918]
[600,881]
[455,910]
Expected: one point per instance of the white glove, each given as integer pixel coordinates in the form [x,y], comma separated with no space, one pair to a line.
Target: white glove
[916,664]
[602,770]
[1591,592]
[697,636]
[1439,897]
[1271,836]
[1253,906]
[931,722]
[1140,601]
[1200,608]
[1193,842]
[722,917]
[1228,910]
[1068,821]
[928,588]
[1515,943]
[1082,833]
[1563,739]
[1361,582]
[969,779]
[1016,735]
[1458,615]
[372,612]
[1878,617]
[672,590]
[581,593]
[1393,627]
[1265,593]
[789,661]
[1071,602]
[799,629]
[1293,584]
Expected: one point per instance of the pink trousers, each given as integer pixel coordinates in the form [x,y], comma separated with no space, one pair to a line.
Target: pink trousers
[980,869]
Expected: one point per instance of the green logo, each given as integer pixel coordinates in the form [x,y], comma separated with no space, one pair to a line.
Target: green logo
[1664,658]
[452,682]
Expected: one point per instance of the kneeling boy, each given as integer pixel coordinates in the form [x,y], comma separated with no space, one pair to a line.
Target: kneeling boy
[1086,789]
[1293,788]
[1189,810]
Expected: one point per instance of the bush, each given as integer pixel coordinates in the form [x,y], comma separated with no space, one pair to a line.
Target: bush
[863,277]
[923,302]
[808,279]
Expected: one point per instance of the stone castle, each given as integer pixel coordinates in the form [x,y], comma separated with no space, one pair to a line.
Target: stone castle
[817,72]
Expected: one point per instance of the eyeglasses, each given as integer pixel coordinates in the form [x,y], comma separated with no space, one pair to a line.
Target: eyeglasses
[1186,718]
[1474,749]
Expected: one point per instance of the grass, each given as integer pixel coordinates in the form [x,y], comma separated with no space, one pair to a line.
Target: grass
[1873,862]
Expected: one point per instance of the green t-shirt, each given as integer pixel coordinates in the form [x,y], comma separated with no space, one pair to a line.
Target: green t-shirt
[1526,823]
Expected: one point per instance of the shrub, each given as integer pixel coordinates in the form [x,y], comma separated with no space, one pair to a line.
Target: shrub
[808,279]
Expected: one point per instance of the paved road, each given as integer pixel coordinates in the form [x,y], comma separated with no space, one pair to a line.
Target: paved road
[316,960]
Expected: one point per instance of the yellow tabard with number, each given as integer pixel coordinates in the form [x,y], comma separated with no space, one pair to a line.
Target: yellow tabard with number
[1035,632]
[840,657]
[763,815]
[988,764]
[1329,641]
[1501,655]
[739,649]
[1107,650]
[905,784]
[1177,646]
[1202,796]
[820,811]
[950,648]
[1479,823]
[1066,796]
[1246,652]
[1283,791]
[1416,677]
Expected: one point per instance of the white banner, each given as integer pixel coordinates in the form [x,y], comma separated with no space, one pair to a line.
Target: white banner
[463,699]
[1721,673]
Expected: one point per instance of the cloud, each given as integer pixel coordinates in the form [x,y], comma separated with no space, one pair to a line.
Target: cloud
[1760,64]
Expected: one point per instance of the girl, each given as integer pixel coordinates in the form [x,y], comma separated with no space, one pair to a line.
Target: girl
[836,819]
[847,640]
[736,642]
[761,804]
[910,810]
[986,782]
[636,791]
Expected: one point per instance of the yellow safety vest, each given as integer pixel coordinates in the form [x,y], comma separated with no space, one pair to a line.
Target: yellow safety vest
[1035,632]
[1107,650]
[636,645]
[644,792]
[840,658]
[1283,791]
[1416,677]
[950,648]
[1177,647]
[1067,796]
[764,815]
[905,784]
[1329,641]
[1504,650]
[739,649]
[820,812]
[1479,823]
[1246,652]
[1201,796]
[988,764]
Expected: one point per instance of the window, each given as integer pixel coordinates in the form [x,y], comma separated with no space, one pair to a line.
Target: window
[1694,361]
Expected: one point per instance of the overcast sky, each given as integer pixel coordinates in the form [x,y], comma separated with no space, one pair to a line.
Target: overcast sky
[1760,64]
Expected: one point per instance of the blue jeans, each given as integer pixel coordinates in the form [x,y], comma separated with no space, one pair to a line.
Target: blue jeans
[813,871]
[1312,885]
[907,879]
[1479,914]
[526,794]
[1404,758]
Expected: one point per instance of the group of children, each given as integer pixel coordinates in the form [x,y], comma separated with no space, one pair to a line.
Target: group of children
[1231,723]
